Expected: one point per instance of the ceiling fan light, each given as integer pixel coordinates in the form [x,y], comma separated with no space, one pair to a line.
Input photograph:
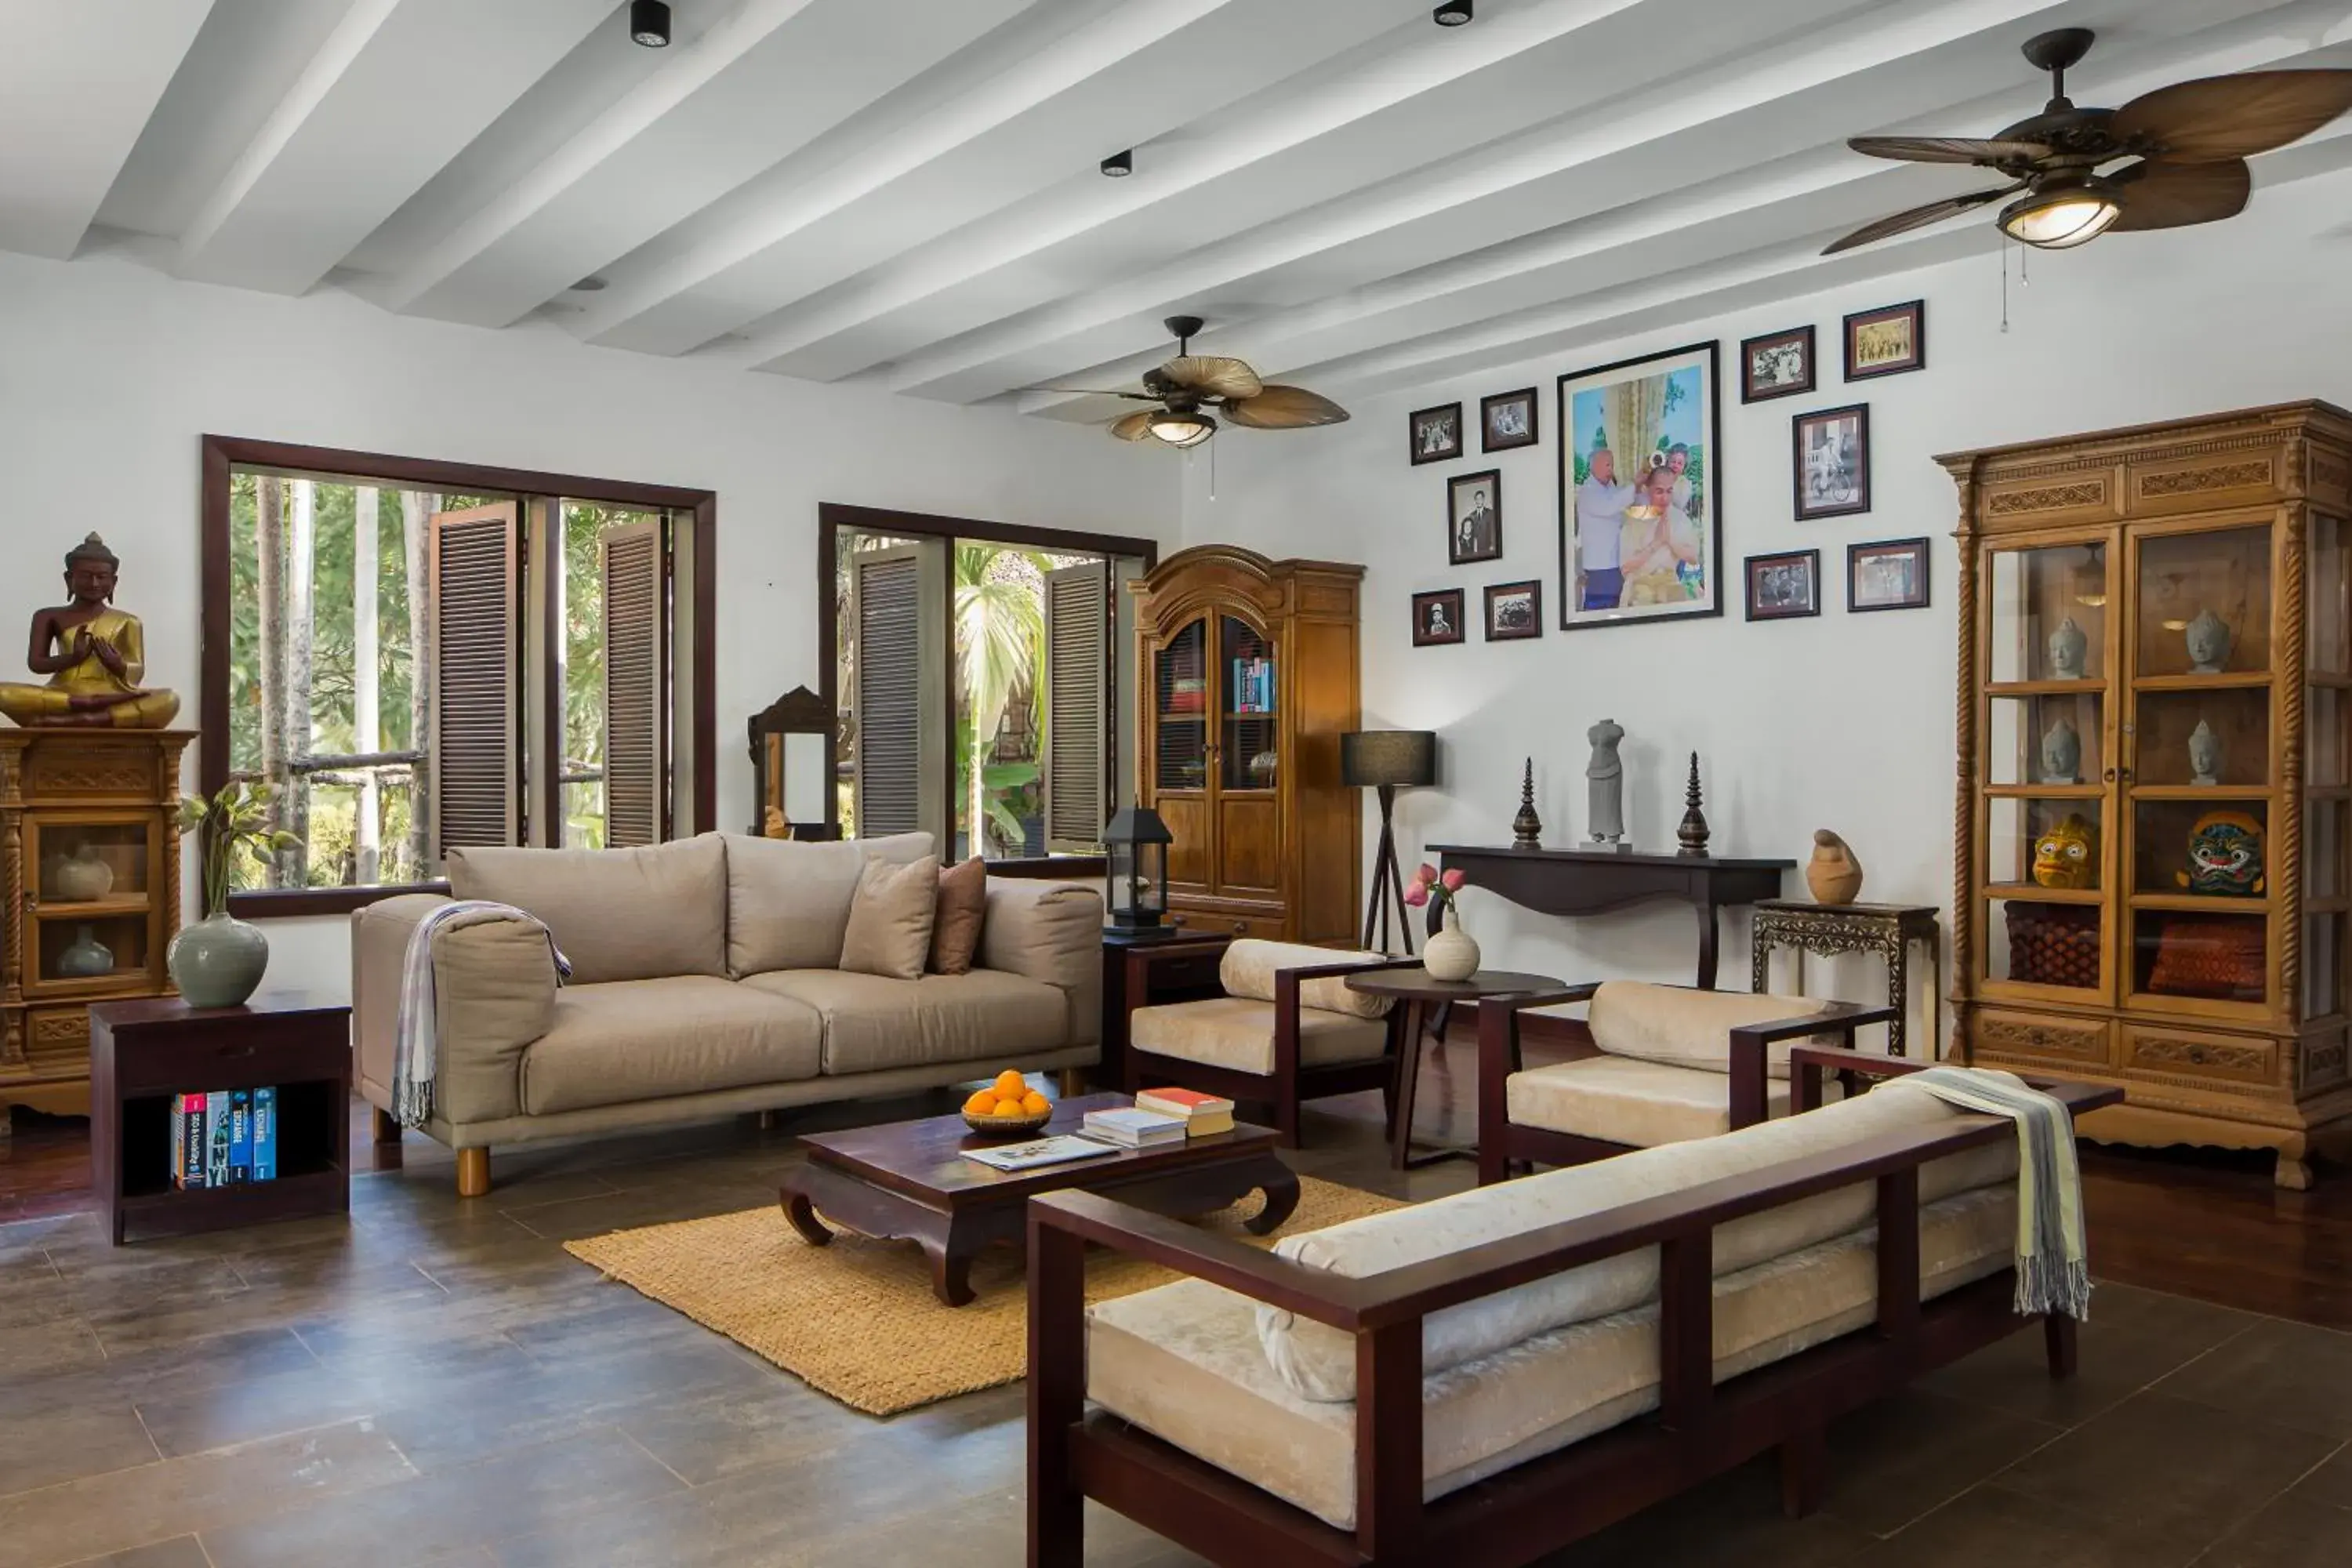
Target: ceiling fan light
[1454,14]
[1179,429]
[2062,214]
[649,23]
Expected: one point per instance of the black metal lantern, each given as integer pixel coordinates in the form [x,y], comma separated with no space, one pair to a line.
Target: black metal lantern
[1136,846]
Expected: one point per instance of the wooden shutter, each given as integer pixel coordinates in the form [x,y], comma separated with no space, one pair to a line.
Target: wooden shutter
[888,598]
[636,716]
[476,733]
[1078,632]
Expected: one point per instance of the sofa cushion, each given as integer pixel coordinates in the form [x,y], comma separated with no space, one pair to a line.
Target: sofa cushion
[1320,1361]
[1250,965]
[674,896]
[872,1022]
[788,902]
[1238,1033]
[622,1041]
[890,919]
[1624,1100]
[955,928]
[1691,1028]
[1183,1362]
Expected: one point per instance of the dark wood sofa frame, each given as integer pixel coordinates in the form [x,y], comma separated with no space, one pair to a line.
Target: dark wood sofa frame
[1292,1082]
[1504,1143]
[1699,1430]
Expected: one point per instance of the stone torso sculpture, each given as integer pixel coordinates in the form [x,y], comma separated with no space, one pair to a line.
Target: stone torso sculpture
[1605,783]
[93,654]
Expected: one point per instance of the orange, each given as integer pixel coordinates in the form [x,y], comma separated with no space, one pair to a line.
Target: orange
[980,1104]
[1009,1083]
[1008,1106]
[1034,1104]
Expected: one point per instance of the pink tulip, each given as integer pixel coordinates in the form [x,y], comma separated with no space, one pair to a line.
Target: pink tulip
[1416,893]
[1428,873]
[1453,880]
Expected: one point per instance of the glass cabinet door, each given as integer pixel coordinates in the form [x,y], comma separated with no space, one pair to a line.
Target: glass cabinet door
[1181,684]
[87,893]
[2328,787]
[1248,743]
[2199,777]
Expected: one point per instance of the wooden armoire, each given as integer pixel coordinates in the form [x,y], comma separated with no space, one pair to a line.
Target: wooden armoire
[1248,673]
[2155,810]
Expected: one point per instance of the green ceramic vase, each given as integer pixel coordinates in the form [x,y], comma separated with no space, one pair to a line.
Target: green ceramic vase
[218,960]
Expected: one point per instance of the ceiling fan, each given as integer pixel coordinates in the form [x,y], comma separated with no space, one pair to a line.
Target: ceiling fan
[1189,386]
[2190,142]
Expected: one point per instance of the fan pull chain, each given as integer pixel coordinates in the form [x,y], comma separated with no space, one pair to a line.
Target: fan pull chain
[2004,283]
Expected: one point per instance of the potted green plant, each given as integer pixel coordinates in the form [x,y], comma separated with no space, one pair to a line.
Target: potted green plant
[218,960]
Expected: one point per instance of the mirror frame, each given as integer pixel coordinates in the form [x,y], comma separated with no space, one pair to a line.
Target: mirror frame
[799,711]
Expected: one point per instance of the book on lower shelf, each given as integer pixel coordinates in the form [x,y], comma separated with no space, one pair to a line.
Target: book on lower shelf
[224,1137]
[1038,1151]
[1132,1129]
[1201,1115]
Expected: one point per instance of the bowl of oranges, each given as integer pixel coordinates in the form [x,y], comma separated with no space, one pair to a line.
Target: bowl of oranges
[1008,1107]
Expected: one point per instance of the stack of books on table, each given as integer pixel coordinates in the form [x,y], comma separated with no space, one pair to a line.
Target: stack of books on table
[225,1139]
[1134,1129]
[1201,1115]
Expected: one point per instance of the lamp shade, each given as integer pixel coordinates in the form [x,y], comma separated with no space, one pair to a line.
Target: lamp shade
[1401,758]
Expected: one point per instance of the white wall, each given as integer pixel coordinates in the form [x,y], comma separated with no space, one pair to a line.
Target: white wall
[1843,722]
[108,374]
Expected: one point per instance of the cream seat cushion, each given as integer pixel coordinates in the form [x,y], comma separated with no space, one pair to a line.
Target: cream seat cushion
[1250,965]
[788,901]
[1624,1100]
[1319,1362]
[617,914]
[1689,1028]
[1238,1033]
[872,1022]
[630,1040]
[1183,1362]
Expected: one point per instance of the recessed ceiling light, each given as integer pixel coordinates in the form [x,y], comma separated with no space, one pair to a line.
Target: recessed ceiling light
[591,284]
[1453,13]
[1119,165]
[649,23]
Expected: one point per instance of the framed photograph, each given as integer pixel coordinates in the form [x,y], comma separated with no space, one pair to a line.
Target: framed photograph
[1640,535]
[1890,575]
[1785,586]
[1777,364]
[1507,420]
[1474,517]
[1436,433]
[1832,462]
[1514,611]
[1438,617]
[1888,341]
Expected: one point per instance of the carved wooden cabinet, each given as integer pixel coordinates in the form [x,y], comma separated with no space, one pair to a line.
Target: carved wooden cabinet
[1249,671]
[90,870]
[2155,813]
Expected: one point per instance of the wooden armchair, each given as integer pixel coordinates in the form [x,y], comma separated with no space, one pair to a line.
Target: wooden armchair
[1400,1510]
[1669,1064]
[1285,1031]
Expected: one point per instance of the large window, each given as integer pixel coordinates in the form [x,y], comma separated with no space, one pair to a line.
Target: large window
[977,673]
[499,657]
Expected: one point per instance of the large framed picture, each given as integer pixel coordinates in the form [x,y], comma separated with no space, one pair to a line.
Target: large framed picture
[1474,517]
[1830,458]
[1889,574]
[1888,341]
[1779,365]
[1784,586]
[1514,611]
[1639,444]
[1438,617]
[1436,433]
[1507,420]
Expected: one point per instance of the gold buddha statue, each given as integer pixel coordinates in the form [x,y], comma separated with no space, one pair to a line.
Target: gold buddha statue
[93,654]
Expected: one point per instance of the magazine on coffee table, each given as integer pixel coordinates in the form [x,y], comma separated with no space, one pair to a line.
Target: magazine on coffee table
[1040,1152]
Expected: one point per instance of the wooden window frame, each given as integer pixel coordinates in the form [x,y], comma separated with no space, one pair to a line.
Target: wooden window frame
[223,454]
[832,517]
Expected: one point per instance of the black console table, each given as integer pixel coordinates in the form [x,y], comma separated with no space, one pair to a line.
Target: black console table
[1588,881]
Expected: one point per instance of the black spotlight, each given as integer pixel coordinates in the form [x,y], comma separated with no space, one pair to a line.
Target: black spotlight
[1454,14]
[649,23]
[1119,165]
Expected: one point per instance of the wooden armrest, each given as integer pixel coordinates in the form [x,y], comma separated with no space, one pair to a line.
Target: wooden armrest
[1250,1271]
[1359,966]
[1834,1018]
[2081,1098]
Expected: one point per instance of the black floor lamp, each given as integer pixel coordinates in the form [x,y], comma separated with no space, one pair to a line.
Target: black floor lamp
[1387,761]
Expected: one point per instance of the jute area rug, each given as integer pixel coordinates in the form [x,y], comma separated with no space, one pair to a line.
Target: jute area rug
[857,1319]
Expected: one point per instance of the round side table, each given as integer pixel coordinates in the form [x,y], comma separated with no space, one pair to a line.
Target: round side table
[1500,995]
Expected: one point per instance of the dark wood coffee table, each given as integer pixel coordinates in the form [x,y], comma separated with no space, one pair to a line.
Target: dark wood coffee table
[909,1180]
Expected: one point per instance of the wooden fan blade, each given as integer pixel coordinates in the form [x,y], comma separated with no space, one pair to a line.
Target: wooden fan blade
[1949,150]
[2173,195]
[1284,408]
[1211,376]
[2218,118]
[1134,427]
[1934,212]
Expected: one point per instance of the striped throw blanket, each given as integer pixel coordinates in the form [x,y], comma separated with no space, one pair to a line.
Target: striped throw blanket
[417,1048]
[2053,1267]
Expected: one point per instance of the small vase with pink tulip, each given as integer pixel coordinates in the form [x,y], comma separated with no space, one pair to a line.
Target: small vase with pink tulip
[1450,954]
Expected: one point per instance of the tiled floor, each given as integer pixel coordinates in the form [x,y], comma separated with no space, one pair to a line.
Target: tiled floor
[438,1382]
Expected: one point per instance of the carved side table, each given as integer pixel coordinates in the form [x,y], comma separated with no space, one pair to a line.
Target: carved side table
[1887,929]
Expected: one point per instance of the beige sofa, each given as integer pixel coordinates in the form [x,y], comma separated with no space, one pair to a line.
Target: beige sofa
[704,982]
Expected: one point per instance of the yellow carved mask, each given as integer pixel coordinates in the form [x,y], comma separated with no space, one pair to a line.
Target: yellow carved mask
[2067,855]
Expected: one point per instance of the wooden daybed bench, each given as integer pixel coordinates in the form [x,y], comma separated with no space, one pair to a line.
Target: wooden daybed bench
[1481,1380]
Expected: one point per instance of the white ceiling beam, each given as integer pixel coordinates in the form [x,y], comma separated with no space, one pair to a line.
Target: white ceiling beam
[399,88]
[77,84]
[1084,52]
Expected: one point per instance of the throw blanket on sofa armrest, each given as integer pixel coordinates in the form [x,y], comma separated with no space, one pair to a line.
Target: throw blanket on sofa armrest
[415,1043]
[2052,1267]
